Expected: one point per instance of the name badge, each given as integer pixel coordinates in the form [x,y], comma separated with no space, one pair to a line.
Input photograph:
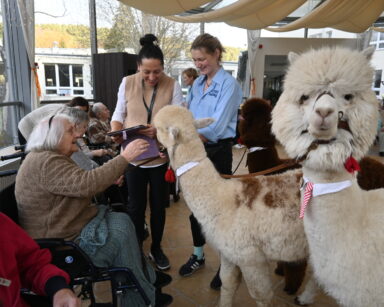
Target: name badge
[5,282]
[213,93]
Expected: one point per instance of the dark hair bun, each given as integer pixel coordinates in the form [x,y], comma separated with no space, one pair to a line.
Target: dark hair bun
[148,39]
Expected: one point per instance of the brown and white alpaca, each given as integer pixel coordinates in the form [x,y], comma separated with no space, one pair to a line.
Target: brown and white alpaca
[249,221]
[327,114]
[255,134]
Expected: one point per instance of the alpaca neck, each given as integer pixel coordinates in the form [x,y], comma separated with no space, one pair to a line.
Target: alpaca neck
[330,208]
[317,176]
[181,154]
[199,181]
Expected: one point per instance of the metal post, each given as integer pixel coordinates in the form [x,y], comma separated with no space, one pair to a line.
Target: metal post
[92,26]
[202,27]
[93,32]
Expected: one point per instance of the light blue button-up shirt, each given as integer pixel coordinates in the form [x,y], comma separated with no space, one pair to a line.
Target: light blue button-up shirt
[220,101]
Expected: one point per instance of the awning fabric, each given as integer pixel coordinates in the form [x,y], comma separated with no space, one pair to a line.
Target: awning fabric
[164,7]
[352,16]
[377,29]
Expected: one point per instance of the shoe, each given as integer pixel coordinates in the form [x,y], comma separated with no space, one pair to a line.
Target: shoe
[158,257]
[162,280]
[192,265]
[216,281]
[163,299]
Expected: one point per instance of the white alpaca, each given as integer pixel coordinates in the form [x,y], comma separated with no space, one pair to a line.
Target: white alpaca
[326,114]
[249,221]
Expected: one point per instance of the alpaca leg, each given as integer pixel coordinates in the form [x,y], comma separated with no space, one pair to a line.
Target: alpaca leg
[294,273]
[230,277]
[309,293]
[259,283]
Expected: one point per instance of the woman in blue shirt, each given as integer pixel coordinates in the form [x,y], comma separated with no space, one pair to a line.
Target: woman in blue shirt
[214,94]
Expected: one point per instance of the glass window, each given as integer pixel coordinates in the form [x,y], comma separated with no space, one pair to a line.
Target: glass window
[51,92]
[5,125]
[377,80]
[78,92]
[64,74]
[50,76]
[77,75]
[374,36]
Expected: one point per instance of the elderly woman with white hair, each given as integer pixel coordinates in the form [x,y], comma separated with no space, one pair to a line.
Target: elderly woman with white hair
[54,200]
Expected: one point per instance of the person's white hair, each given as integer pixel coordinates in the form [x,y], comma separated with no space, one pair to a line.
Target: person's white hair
[97,107]
[77,116]
[47,133]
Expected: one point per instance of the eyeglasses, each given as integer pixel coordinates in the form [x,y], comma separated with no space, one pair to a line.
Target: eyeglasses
[50,121]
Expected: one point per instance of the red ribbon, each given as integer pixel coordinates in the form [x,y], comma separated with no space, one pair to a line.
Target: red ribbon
[351,165]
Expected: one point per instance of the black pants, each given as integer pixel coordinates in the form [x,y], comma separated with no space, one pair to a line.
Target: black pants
[221,156]
[137,181]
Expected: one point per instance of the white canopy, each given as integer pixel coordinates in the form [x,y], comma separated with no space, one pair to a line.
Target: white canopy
[352,16]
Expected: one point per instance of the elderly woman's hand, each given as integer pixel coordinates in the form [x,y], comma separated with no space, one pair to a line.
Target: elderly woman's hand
[134,149]
[150,131]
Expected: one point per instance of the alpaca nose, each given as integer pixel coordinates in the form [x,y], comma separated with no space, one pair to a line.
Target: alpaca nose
[324,112]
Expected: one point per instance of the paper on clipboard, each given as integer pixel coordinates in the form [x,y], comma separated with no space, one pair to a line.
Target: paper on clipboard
[132,134]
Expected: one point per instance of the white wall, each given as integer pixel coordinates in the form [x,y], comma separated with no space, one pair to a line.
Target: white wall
[282,46]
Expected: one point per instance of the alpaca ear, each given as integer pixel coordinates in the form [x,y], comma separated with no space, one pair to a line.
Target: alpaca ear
[174,133]
[203,122]
[292,56]
[368,52]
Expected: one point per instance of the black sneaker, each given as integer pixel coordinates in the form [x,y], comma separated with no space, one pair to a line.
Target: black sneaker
[162,279]
[163,299]
[216,281]
[158,257]
[191,266]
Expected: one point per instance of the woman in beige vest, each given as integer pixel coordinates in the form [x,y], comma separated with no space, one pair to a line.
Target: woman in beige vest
[140,97]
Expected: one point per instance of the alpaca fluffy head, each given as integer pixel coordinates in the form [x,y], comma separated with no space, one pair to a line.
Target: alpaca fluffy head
[327,98]
[255,124]
[175,125]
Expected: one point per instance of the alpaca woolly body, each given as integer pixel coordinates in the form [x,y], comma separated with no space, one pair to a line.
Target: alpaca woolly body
[249,221]
[328,100]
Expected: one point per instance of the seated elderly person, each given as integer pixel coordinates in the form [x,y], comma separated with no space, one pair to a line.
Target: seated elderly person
[114,194]
[54,200]
[99,125]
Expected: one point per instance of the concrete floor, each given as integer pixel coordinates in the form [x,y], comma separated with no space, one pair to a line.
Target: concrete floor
[194,290]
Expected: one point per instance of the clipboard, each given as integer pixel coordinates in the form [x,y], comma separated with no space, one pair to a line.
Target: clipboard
[127,131]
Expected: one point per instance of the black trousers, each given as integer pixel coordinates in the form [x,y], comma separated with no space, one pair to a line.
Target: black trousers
[221,156]
[138,180]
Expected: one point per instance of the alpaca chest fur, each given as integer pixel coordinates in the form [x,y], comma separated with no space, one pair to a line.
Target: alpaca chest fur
[339,233]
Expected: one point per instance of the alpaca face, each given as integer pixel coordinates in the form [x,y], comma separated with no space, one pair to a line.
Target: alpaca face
[175,125]
[327,98]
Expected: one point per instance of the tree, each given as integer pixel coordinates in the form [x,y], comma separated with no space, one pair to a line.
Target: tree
[232,54]
[130,24]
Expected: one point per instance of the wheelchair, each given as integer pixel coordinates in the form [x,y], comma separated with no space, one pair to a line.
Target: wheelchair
[68,256]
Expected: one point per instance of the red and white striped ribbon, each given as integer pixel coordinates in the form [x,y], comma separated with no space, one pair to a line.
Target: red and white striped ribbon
[306,198]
